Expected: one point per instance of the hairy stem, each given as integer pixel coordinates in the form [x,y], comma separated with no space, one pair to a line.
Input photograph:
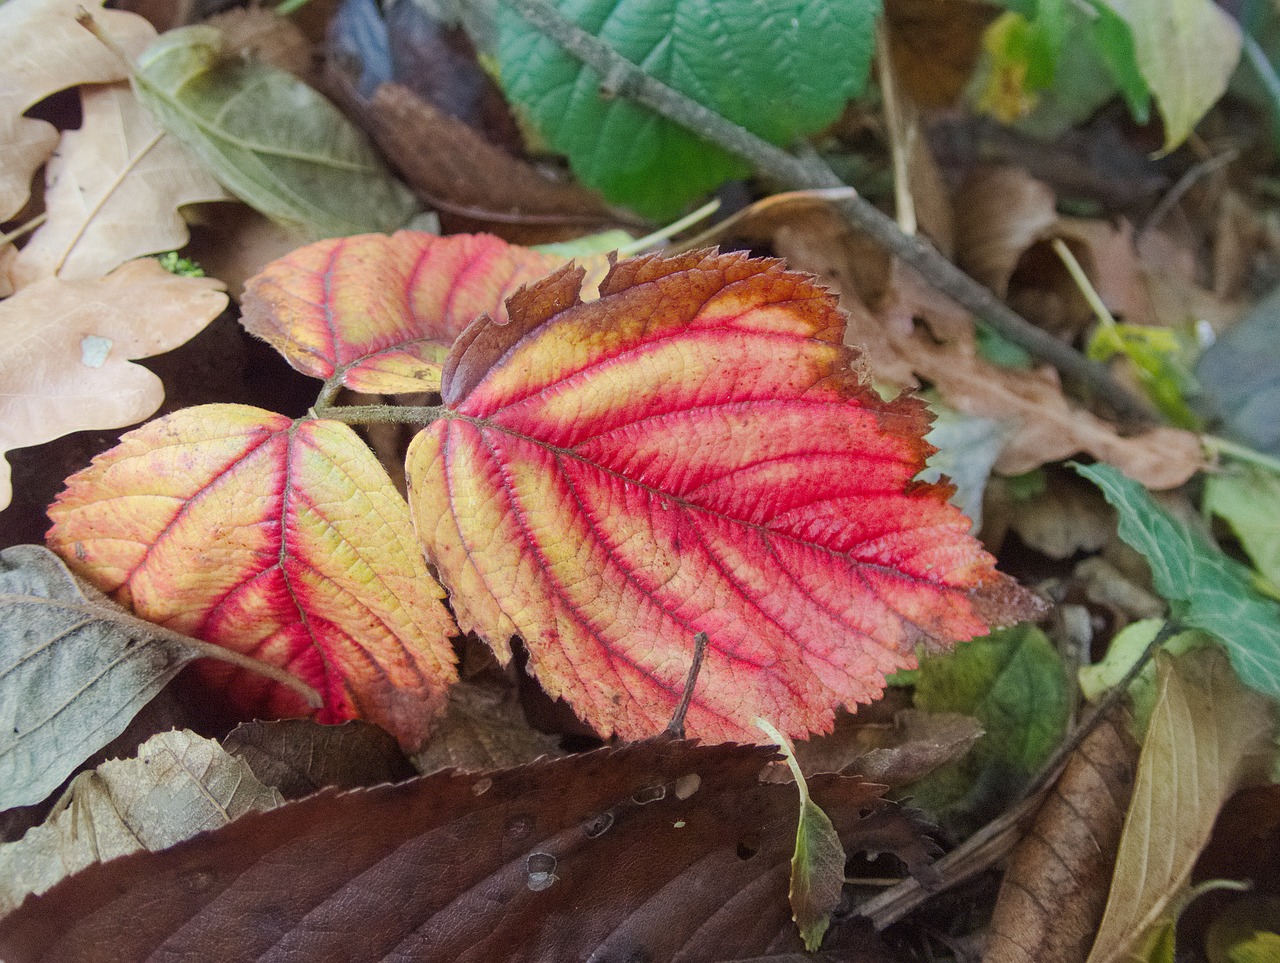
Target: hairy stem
[381,414]
[624,78]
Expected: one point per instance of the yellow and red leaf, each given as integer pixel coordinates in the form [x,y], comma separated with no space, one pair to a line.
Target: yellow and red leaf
[282,539]
[694,451]
[378,313]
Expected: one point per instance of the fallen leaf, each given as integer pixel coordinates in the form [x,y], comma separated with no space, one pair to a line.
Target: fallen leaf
[1000,213]
[935,45]
[301,756]
[233,242]
[658,851]
[895,755]
[378,314]
[1066,518]
[1055,888]
[483,728]
[114,190]
[1240,374]
[1247,496]
[261,34]
[269,138]
[968,447]
[279,538]
[1206,590]
[178,785]
[1208,737]
[44,50]
[457,171]
[64,361]
[694,451]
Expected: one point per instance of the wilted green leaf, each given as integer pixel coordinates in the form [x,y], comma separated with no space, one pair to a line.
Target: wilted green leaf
[1186,51]
[778,69]
[178,785]
[1205,589]
[1013,682]
[1248,497]
[269,138]
[1208,737]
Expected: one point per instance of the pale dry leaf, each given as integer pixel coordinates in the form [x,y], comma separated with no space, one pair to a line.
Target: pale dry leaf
[67,347]
[1001,212]
[179,784]
[44,50]
[113,192]
[1067,517]
[1055,887]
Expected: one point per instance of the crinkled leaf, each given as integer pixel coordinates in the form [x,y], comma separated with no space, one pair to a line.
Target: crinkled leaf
[781,70]
[1248,497]
[114,190]
[284,539]
[694,451]
[379,314]
[1206,590]
[657,851]
[1186,51]
[67,347]
[178,785]
[1208,737]
[269,138]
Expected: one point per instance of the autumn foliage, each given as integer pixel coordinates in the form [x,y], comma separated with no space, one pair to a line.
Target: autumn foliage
[693,451]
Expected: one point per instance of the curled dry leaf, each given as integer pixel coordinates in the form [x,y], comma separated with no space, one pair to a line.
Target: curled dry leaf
[660,851]
[693,452]
[65,358]
[1055,888]
[44,50]
[114,190]
[273,537]
[378,314]
[178,785]
[483,728]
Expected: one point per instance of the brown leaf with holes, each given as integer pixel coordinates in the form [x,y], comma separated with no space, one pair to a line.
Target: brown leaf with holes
[659,850]
[1055,889]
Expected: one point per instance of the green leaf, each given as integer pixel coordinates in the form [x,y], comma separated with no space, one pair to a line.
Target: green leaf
[817,868]
[780,69]
[1186,51]
[1205,589]
[1113,41]
[1248,497]
[1013,682]
[1162,360]
[269,138]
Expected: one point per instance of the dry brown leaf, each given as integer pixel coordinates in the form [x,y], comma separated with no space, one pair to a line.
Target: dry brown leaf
[1069,516]
[233,242]
[1000,213]
[1055,888]
[67,347]
[457,171]
[483,728]
[260,34]
[935,45]
[114,190]
[44,50]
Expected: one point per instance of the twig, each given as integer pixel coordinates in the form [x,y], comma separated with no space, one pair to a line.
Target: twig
[1184,184]
[380,414]
[626,79]
[1223,446]
[675,728]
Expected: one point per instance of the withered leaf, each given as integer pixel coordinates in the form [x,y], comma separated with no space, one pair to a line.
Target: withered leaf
[483,728]
[655,851]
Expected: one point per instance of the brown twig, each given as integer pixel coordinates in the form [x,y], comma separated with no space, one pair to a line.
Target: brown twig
[623,78]
[675,728]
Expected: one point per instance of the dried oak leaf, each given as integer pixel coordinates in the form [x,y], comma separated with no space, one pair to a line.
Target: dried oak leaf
[280,538]
[376,313]
[694,451]
[114,190]
[67,347]
[659,851]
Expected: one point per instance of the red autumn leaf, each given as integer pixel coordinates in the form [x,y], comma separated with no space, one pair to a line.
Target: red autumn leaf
[282,539]
[658,851]
[378,314]
[694,451]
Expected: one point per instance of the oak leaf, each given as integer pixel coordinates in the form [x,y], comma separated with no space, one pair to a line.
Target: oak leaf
[67,347]
[694,451]
[281,539]
[114,190]
[378,314]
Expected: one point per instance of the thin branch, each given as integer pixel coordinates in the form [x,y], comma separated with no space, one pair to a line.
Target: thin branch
[675,728]
[623,78]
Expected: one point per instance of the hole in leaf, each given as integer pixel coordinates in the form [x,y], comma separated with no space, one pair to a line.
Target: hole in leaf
[597,826]
[747,848]
[650,794]
[542,871]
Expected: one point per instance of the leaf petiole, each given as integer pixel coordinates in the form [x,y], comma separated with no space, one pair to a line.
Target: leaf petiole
[380,414]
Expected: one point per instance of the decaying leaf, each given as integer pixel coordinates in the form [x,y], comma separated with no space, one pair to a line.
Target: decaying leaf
[483,728]
[1208,737]
[272,140]
[67,346]
[178,785]
[44,50]
[378,314]
[895,755]
[1055,888]
[278,538]
[694,451]
[658,851]
[114,190]
[935,45]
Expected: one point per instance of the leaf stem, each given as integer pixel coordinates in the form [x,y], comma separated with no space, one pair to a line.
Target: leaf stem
[675,728]
[1083,284]
[1216,446]
[626,79]
[380,414]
